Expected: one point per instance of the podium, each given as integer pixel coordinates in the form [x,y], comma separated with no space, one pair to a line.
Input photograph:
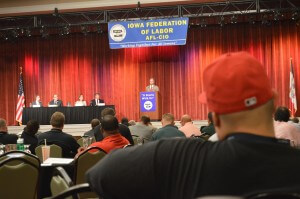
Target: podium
[150,105]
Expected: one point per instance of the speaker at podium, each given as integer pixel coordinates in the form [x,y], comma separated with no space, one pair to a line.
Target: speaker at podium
[150,105]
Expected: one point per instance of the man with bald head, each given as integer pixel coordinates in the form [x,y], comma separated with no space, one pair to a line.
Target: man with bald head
[187,126]
[248,158]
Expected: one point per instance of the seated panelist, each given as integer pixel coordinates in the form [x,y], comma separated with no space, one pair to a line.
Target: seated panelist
[96,101]
[37,101]
[80,101]
[56,101]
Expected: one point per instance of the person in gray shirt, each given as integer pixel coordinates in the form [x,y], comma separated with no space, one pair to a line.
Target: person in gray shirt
[94,123]
[143,129]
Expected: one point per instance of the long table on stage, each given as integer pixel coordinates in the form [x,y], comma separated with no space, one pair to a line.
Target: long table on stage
[73,115]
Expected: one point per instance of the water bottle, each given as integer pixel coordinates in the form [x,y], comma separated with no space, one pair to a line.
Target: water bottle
[20,144]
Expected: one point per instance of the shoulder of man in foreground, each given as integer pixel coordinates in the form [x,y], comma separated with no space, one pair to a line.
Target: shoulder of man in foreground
[113,180]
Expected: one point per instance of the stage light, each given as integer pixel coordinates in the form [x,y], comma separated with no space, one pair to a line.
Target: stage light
[265,20]
[221,21]
[203,23]
[15,33]
[295,16]
[252,20]
[28,32]
[233,19]
[66,30]
[277,16]
[55,14]
[138,8]
[44,32]
[84,30]
[61,32]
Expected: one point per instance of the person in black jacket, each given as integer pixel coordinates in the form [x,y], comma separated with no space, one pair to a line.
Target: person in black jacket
[124,130]
[57,136]
[97,100]
[29,136]
[5,137]
[56,101]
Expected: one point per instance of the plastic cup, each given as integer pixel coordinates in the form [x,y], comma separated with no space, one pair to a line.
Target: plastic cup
[45,152]
[87,141]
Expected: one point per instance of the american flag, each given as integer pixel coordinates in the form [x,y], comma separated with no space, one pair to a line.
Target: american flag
[21,100]
[292,95]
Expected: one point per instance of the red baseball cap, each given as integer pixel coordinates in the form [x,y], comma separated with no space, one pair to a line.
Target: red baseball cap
[235,82]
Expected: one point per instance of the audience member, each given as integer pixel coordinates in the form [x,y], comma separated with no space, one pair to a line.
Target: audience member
[284,129]
[94,123]
[124,130]
[57,136]
[56,101]
[112,138]
[168,130]
[124,121]
[143,129]
[187,126]
[210,129]
[132,123]
[248,157]
[5,137]
[29,134]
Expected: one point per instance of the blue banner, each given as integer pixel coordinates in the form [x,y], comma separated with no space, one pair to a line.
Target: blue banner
[146,33]
[147,101]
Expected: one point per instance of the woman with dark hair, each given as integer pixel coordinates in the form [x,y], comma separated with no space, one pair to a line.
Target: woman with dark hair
[29,136]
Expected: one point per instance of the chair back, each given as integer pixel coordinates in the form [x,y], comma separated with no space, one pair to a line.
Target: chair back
[60,182]
[19,180]
[31,158]
[55,151]
[83,163]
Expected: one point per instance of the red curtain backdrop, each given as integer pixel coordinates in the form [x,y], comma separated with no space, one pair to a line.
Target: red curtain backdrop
[79,64]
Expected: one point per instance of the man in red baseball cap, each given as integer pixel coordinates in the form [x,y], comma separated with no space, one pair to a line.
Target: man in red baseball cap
[248,158]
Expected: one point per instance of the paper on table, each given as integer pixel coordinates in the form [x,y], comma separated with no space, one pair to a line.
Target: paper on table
[58,161]
[101,104]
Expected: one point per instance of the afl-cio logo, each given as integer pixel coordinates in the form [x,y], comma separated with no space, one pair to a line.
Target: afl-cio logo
[148,105]
[117,32]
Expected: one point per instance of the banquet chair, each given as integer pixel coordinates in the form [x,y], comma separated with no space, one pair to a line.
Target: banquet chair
[83,163]
[73,191]
[30,157]
[55,151]
[20,179]
[60,182]
[288,192]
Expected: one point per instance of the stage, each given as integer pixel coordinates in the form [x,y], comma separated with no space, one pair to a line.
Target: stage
[78,130]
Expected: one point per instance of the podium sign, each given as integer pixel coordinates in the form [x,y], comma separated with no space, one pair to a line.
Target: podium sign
[150,105]
[148,101]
